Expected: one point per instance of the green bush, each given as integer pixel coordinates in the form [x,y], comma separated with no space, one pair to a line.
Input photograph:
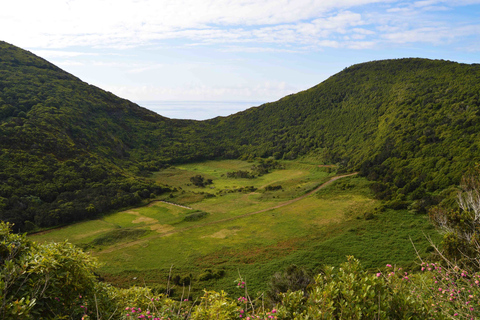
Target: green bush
[43,281]
[292,279]
[195,216]
[57,281]
[350,292]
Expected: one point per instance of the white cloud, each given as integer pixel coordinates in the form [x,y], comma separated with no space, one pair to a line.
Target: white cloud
[53,54]
[125,24]
[434,35]
[69,63]
[257,49]
[144,68]
[130,23]
[265,91]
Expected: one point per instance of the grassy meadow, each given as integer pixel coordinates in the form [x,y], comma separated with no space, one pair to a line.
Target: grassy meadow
[220,233]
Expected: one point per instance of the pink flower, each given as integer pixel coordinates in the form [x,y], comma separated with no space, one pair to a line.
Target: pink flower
[389,265]
[379,274]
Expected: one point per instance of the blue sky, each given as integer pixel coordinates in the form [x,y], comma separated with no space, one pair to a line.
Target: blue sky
[247,51]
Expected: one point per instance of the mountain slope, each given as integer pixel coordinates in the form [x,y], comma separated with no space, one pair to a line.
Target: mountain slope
[70,151]
[64,144]
[409,124]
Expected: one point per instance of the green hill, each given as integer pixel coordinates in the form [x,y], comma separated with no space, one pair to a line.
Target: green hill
[410,124]
[70,151]
[65,145]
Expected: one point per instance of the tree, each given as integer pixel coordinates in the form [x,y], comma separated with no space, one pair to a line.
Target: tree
[461,226]
[200,181]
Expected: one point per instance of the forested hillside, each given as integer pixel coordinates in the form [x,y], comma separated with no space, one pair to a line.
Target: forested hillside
[69,151]
[411,125]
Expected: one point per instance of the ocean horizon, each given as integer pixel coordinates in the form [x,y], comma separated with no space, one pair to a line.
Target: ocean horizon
[197,110]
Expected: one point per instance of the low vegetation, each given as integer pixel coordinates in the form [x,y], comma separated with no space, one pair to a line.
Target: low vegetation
[53,281]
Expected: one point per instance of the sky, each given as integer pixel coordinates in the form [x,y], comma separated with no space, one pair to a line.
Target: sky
[198,59]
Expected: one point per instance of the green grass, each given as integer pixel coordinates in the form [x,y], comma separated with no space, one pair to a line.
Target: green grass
[118,235]
[321,229]
[78,233]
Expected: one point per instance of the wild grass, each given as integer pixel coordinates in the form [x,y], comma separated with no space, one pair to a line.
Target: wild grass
[321,229]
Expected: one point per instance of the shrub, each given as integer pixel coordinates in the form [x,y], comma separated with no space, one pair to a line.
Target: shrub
[273,188]
[195,215]
[200,181]
[57,281]
[461,225]
[43,280]
[293,278]
[350,292]
[215,305]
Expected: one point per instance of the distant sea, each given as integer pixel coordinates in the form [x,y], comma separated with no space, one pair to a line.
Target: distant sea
[197,110]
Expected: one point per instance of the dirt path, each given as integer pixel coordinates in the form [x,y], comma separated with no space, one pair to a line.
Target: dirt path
[174,204]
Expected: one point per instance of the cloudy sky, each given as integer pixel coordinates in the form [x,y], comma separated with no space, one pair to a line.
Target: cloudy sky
[203,58]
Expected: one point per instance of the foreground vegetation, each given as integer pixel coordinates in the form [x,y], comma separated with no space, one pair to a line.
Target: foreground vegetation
[57,281]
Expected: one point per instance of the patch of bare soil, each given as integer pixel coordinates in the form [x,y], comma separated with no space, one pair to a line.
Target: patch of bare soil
[141,218]
[161,228]
[222,234]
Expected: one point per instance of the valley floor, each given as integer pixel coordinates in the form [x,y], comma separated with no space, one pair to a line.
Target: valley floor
[310,217]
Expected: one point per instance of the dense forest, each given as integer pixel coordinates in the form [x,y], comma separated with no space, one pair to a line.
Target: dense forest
[70,151]
[411,125]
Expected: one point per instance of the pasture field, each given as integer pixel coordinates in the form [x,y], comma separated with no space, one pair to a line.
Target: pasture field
[221,234]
